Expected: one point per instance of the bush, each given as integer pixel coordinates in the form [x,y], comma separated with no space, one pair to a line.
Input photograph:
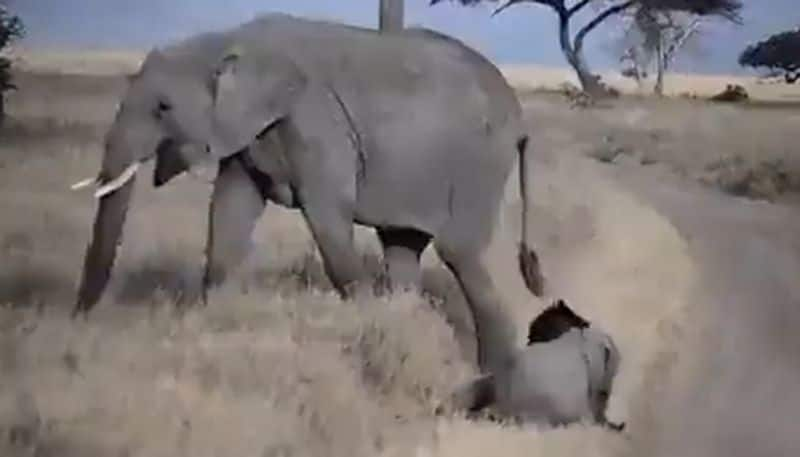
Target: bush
[759,180]
[10,29]
[779,53]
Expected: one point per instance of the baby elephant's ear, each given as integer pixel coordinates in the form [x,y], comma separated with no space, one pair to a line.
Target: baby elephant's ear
[250,92]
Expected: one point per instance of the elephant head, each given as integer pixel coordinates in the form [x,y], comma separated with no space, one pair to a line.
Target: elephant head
[554,322]
[192,104]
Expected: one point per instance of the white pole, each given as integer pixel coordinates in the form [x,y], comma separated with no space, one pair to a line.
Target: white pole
[391,15]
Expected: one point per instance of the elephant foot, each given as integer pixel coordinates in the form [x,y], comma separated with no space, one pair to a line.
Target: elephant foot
[80,311]
[384,287]
[357,290]
[617,427]
[204,298]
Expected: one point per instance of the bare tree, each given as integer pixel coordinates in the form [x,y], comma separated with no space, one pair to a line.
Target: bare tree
[780,54]
[10,29]
[634,65]
[390,18]
[654,38]
[572,45]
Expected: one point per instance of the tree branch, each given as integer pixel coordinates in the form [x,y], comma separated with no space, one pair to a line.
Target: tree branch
[505,6]
[676,46]
[577,7]
[616,9]
[557,5]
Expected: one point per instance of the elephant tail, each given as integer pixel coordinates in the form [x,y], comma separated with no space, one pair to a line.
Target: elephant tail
[528,260]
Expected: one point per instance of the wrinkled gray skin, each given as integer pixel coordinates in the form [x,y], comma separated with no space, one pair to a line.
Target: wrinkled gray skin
[411,133]
[560,382]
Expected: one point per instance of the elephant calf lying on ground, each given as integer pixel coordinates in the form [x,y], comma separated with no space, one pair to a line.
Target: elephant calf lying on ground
[564,375]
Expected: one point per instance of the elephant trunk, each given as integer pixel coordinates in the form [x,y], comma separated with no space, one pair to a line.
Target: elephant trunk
[114,190]
[102,250]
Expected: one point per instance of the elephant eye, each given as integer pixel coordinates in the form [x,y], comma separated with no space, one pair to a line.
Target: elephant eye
[163,107]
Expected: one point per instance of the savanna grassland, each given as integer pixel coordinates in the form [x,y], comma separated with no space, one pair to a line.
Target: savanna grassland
[671,223]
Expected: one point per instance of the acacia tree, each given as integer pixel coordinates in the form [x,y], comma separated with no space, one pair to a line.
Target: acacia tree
[10,29]
[572,45]
[653,39]
[779,53]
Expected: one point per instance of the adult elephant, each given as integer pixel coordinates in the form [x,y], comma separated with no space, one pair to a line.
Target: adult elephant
[411,133]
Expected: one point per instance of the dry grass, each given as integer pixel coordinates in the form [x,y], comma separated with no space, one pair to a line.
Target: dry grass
[698,287]
[523,76]
[95,62]
[747,149]
[527,77]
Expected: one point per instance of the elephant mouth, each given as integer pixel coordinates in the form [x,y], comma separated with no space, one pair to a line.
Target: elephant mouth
[170,163]
[194,160]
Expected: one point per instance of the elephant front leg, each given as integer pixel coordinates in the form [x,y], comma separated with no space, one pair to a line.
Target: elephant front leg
[331,226]
[324,162]
[236,204]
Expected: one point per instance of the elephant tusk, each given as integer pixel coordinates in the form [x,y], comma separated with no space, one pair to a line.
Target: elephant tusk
[117,182]
[85,183]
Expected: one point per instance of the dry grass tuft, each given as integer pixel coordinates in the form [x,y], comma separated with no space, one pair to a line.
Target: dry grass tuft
[308,373]
[767,179]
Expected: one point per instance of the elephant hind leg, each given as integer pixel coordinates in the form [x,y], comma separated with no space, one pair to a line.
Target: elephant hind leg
[402,248]
[494,330]
[461,245]
[236,204]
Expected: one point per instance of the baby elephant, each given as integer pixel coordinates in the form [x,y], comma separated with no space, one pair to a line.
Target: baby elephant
[563,375]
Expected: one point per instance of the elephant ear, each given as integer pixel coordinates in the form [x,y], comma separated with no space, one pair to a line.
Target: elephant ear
[251,91]
[602,358]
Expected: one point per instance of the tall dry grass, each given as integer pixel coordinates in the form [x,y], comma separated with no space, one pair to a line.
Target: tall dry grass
[698,288]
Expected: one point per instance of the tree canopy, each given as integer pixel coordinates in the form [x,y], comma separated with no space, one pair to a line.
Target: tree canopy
[727,8]
[10,29]
[572,44]
[780,52]
[655,38]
